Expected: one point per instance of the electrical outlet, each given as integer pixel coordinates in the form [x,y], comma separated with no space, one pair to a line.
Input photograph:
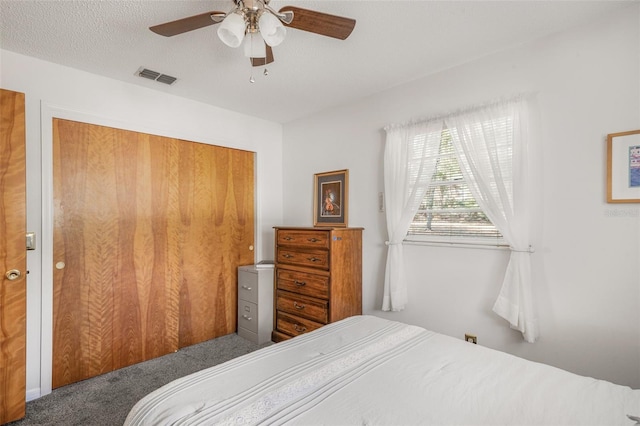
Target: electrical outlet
[471,338]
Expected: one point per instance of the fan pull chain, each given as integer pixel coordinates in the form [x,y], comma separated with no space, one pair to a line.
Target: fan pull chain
[253,80]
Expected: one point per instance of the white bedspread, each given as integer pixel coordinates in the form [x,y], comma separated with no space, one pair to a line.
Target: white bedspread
[368,371]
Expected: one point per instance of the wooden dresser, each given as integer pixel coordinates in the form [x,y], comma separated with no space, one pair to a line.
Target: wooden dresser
[318,278]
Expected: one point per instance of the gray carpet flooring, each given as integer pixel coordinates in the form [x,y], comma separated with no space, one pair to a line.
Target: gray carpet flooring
[106,400]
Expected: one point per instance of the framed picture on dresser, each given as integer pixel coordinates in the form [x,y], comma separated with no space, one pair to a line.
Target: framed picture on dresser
[331,198]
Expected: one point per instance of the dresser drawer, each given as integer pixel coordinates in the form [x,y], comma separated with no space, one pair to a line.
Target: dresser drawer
[303,283]
[293,325]
[248,316]
[303,238]
[314,309]
[308,258]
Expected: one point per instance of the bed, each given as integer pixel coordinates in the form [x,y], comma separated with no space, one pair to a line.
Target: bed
[366,370]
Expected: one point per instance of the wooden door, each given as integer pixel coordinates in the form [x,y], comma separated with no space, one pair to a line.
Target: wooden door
[216,188]
[137,221]
[12,257]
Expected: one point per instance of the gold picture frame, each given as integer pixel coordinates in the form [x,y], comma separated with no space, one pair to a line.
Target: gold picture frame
[331,198]
[623,167]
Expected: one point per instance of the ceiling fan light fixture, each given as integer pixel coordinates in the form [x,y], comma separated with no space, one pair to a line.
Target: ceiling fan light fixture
[271,29]
[231,30]
[266,26]
[254,46]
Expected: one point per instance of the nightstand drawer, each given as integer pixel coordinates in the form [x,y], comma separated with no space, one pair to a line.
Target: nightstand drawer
[294,326]
[303,238]
[308,258]
[303,283]
[313,309]
[248,316]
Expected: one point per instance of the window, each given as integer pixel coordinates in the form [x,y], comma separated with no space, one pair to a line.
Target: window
[430,177]
[449,212]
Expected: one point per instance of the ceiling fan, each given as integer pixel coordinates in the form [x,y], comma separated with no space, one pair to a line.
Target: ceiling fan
[260,26]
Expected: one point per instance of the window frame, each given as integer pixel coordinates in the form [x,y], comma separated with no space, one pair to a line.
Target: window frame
[468,241]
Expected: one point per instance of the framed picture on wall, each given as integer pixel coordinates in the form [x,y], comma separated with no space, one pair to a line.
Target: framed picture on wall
[623,167]
[331,198]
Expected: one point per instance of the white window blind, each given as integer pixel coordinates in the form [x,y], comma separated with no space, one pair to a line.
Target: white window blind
[449,213]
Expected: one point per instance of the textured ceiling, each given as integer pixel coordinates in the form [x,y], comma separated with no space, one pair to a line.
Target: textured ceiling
[393,42]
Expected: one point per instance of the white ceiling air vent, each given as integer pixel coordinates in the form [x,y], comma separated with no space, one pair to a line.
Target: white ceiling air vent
[154,75]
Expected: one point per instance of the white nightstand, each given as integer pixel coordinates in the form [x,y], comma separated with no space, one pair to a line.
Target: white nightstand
[255,303]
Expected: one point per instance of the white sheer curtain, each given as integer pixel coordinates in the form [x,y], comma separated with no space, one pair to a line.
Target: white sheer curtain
[409,162]
[491,143]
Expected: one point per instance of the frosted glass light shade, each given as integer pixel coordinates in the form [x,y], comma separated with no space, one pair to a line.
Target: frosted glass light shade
[231,30]
[254,46]
[271,29]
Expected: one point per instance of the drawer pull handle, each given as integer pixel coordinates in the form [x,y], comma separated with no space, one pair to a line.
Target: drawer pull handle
[287,238]
[246,288]
[313,259]
[297,306]
[248,318]
[313,240]
[300,283]
[287,256]
[299,328]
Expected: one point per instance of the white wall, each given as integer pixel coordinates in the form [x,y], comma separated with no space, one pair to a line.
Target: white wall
[587,259]
[55,91]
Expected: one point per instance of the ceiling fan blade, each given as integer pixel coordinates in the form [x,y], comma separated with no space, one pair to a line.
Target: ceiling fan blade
[258,62]
[191,23]
[320,23]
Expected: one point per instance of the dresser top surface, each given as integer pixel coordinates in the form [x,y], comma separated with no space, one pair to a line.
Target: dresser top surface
[319,228]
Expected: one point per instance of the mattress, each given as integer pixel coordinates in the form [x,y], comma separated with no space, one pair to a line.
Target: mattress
[366,370]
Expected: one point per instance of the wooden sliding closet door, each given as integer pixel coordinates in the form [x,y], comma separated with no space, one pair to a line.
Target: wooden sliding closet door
[13,258]
[216,201]
[138,223]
